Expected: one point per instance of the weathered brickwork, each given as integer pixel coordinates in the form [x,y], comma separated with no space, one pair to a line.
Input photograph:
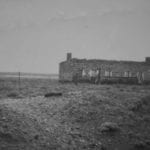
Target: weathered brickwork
[103,69]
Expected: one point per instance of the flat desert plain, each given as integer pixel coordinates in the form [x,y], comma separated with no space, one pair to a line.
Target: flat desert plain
[84,117]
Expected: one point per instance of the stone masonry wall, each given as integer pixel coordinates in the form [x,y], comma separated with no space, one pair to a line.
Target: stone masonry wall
[116,68]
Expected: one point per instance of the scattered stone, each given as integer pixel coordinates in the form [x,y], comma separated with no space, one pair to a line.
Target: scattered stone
[148,142]
[103,147]
[53,94]
[5,126]
[96,145]
[109,127]
[7,137]
[14,95]
[36,137]
[92,145]
[3,118]
[140,145]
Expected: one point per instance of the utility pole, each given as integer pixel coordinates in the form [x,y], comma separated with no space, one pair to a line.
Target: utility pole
[19,80]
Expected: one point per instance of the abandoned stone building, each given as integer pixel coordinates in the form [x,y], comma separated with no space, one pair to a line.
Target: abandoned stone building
[100,71]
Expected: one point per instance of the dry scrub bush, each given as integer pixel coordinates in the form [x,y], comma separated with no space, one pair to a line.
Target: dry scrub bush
[109,127]
[142,104]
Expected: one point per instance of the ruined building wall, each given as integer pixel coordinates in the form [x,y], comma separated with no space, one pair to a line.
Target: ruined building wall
[65,71]
[107,68]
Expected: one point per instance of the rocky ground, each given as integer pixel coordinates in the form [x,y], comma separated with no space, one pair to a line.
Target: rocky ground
[85,117]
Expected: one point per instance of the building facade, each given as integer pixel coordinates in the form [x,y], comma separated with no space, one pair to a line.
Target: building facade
[99,71]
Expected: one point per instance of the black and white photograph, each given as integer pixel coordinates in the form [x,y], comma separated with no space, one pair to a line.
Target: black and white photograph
[74,74]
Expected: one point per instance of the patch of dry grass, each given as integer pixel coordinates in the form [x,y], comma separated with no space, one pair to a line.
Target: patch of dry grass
[74,120]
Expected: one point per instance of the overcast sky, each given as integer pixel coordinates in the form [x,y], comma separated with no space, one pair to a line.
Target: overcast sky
[35,35]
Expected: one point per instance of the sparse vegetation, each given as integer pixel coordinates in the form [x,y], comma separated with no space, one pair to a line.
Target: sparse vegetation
[86,116]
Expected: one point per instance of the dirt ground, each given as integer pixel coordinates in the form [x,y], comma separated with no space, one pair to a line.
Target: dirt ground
[85,117]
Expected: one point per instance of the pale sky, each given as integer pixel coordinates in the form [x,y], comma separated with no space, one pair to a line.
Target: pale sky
[35,35]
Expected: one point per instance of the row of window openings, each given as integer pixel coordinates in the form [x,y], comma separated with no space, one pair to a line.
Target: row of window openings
[110,73]
[125,74]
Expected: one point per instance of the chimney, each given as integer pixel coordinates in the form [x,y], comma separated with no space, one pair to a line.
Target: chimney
[147,60]
[69,56]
